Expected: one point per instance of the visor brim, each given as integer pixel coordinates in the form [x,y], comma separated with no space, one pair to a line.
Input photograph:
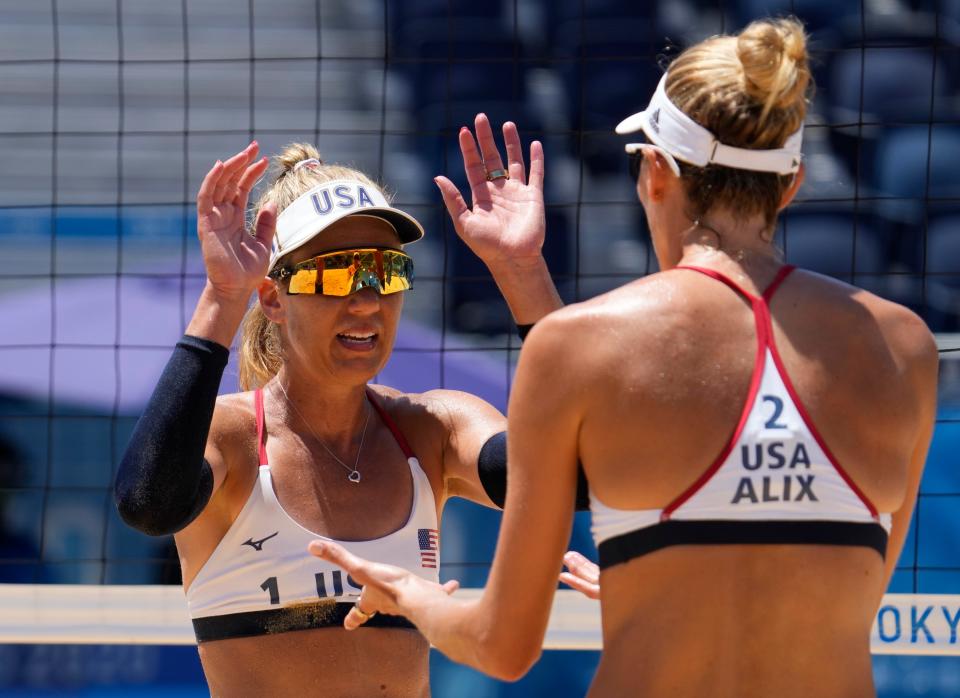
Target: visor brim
[407,227]
[632,123]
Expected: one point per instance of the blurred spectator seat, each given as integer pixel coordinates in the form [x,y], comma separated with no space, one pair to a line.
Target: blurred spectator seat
[815,14]
[835,244]
[611,72]
[894,84]
[412,23]
[943,269]
[913,165]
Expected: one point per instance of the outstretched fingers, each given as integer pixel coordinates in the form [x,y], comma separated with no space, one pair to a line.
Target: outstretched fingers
[582,567]
[536,165]
[453,199]
[208,186]
[332,552]
[488,146]
[234,169]
[515,166]
[355,618]
[248,180]
[591,591]
[252,174]
[472,163]
[584,575]
[360,570]
[265,226]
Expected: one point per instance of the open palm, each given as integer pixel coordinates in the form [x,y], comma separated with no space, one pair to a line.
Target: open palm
[507,222]
[384,587]
[236,261]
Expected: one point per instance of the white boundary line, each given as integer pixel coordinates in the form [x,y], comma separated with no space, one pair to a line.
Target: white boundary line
[157,615]
[948,340]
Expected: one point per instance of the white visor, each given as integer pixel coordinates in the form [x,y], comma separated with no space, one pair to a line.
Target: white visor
[665,125]
[327,203]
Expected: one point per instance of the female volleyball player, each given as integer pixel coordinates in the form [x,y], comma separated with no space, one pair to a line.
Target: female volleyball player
[753,436]
[247,480]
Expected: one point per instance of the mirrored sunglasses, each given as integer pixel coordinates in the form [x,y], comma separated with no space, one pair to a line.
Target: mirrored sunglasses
[343,272]
[635,151]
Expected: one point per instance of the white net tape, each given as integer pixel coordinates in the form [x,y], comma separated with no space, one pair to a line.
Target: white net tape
[920,624]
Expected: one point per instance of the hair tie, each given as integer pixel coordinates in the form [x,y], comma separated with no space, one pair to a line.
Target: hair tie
[312,163]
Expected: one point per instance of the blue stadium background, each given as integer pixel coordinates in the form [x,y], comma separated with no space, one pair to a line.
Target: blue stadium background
[113,110]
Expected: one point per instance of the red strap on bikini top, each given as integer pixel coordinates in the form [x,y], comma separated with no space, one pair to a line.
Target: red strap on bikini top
[761,310]
[767,294]
[261,430]
[765,338]
[391,425]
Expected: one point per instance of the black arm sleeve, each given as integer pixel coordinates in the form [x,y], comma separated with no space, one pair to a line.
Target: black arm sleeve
[164,482]
[492,466]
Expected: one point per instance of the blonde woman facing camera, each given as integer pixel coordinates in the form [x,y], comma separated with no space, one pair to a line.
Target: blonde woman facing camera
[753,435]
[309,449]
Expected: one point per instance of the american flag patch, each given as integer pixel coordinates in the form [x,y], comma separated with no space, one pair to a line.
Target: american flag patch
[429,541]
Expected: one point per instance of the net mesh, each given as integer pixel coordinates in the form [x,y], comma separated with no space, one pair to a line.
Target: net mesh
[115,109]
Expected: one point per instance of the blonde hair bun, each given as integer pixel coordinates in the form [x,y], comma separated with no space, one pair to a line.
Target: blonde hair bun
[294,153]
[773,54]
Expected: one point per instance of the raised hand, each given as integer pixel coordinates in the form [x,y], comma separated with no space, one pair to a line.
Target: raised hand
[506,223]
[386,589]
[584,575]
[236,261]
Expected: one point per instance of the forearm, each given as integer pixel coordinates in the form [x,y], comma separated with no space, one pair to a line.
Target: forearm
[528,289]
[217,317]
[462,629]
[164,482]
[445,621]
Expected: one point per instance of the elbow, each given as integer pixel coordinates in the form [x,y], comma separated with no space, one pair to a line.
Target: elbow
[145,516]
[513,666]
[507,657]
[161,506]
[139,517]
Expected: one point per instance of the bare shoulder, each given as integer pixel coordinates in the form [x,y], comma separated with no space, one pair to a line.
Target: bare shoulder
[909,339]
[435,409]
[438,423]
[233,412]
[642,313]
[906,331]
[902,331]
[233,428]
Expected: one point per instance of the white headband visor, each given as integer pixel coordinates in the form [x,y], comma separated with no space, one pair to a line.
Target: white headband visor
[667,126]
[325,204]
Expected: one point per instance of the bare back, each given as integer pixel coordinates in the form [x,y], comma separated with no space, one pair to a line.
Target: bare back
[669,369]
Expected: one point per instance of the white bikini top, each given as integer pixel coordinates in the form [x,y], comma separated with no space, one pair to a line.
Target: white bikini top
[261,580]
[775,481]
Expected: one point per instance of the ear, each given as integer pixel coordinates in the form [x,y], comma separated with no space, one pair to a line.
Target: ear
[269,294]
[659,177]
[795,185]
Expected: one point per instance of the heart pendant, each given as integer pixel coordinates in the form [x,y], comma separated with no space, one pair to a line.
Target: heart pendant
[354,476]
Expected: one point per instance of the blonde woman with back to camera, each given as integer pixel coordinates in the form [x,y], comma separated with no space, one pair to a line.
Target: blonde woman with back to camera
[753,435]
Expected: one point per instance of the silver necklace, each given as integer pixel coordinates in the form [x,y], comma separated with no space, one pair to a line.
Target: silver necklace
[353,474]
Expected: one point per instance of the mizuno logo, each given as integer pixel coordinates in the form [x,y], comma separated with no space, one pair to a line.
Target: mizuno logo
[258,544]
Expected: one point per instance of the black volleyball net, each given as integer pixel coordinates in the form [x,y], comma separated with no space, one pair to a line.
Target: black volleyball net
[114,109]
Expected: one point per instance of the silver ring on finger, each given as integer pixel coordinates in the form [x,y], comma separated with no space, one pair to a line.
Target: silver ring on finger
[497,174]
[364,616]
